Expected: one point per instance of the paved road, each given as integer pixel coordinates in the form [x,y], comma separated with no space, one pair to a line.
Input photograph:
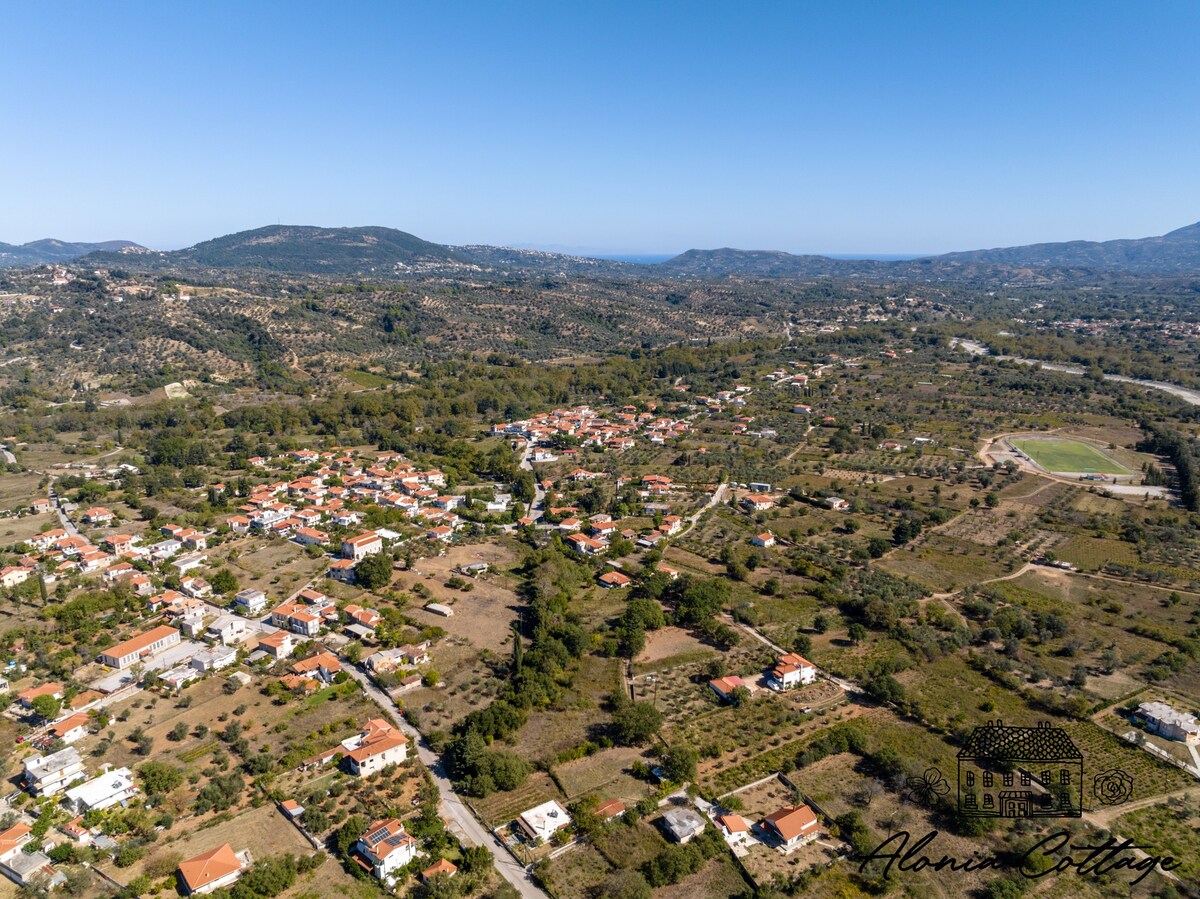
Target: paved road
[70,528]
[463,822]
[975,348]
[67,524]
[718,495]
[538,506]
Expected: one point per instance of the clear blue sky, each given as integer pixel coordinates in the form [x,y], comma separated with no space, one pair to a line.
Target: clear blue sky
[834,127]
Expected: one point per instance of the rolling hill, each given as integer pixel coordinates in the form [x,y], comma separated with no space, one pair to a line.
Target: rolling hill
[304,249]
[49,250]
[1173,253]
[385,252]
[1177,251]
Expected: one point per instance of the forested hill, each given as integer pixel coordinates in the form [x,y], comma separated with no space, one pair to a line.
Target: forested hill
[49,250]
[301,249]
[763,264]
[386,252]
[1178,251]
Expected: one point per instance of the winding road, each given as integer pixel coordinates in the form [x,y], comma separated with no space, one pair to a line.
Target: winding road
[975,348]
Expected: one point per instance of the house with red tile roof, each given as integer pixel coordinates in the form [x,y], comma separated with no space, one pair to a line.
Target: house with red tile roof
[212,870]
[440,868]
[792,670]
[724,686]
[379,745]
[614,579]
[385,847]
[792,825]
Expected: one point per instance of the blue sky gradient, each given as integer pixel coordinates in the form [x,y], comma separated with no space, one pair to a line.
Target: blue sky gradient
[839,127]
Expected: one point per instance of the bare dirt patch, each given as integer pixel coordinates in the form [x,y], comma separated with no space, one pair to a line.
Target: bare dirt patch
[670,646]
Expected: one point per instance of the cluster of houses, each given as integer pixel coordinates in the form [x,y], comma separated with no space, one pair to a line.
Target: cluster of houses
[787,828]
[385,847]
[61,774]
[593,536]
[59,554]
[614,430]
[304,508]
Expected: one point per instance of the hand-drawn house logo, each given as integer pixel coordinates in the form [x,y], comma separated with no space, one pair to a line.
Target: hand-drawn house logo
[1020,772]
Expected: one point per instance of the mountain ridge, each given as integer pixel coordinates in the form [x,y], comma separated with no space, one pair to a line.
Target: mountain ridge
[375,251]
[1127,254]
[51,250]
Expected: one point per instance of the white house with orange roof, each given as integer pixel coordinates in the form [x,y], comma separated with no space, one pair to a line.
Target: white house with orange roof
[135,649]
[71,729]
[14,575]
[358,548]
[758,502]
[385,847]
[98,515]
[379,745]
[279,645]
[791,670]
[585,545]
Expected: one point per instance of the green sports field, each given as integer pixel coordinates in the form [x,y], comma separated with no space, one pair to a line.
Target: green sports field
[1069,455]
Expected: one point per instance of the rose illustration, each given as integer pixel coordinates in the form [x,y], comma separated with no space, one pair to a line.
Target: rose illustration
[1113,786]
[928,787]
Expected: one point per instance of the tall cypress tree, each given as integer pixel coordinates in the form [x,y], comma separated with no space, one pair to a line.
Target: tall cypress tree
[518,650]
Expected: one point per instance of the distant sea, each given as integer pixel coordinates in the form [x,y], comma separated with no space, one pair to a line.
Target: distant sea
[880,257]
[643,258]
[655,258]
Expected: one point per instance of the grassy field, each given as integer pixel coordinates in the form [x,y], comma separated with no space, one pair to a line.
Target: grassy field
[1069,455]
[1093,553]
[366,379]
[945,563]
[1172,828]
